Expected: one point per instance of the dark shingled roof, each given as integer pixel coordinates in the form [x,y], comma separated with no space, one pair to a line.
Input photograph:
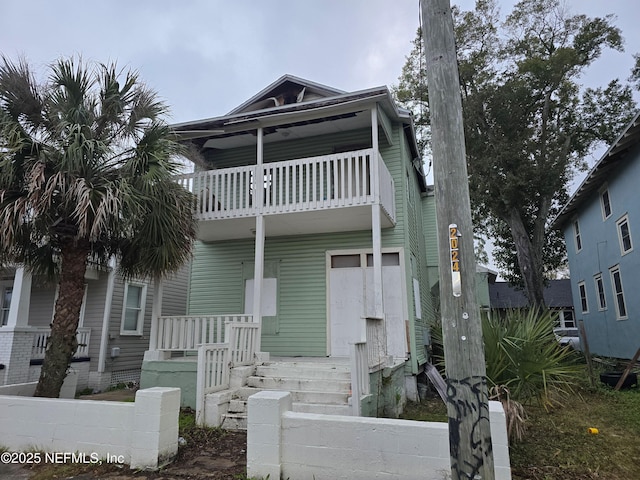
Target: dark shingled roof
[504,295]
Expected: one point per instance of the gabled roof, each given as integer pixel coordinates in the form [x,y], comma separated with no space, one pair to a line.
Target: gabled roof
[292,107]
[273,94]
[615,158]
[557,294]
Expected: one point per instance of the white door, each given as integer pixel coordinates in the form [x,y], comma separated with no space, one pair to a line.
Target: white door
[346,290]
[349,288]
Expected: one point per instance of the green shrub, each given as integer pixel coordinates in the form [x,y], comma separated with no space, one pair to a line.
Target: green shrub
[523,355]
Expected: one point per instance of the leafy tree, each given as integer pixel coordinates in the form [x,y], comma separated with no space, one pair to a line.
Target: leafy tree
[528,121]
[86,165]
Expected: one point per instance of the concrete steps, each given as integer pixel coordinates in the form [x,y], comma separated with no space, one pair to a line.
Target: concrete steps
[315,388]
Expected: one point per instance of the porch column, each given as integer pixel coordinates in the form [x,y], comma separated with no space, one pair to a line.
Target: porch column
[258,269]
[16,337]
[156,312]
[20,299]
[376,230]
[100,379]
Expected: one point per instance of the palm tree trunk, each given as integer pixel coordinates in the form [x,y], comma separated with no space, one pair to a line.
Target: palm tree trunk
[62,343]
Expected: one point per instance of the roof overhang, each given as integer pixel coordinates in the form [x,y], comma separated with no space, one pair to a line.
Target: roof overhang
[613,159]
[339,112]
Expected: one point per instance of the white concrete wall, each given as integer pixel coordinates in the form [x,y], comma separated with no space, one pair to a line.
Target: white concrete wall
[286,444]
[144,433]
[27,389]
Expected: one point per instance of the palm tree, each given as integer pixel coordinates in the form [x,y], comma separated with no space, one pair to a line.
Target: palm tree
[86,166]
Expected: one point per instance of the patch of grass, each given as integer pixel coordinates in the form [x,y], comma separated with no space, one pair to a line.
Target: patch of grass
[557,445]
[430,410]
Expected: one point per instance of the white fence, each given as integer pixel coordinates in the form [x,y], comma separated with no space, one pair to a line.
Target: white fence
[41,337]
[280,445]
[329,181]
[143,434]
[185,333]
[215,360]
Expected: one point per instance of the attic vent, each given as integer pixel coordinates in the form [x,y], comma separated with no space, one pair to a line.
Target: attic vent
[285,98]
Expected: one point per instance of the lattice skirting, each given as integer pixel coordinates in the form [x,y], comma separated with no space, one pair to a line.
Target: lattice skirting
[125,376]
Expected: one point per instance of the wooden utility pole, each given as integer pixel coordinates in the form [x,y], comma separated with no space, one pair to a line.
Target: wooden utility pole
[467,399]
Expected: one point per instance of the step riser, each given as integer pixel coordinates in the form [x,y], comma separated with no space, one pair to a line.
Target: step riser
[234,422]
[238,419]
[296,384]
[282,371]
[239,407]
[304,397]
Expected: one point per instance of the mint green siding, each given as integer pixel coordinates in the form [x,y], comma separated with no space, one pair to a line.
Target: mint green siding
[288,150]
[299,263]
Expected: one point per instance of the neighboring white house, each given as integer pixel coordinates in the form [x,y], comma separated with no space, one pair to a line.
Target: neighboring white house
[113,328]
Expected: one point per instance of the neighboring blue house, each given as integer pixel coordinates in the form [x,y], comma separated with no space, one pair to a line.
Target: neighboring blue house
[601,225]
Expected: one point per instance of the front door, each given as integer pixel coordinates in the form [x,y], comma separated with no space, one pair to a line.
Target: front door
[351,299]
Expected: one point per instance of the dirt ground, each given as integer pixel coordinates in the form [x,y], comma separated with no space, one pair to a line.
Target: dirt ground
[216,454]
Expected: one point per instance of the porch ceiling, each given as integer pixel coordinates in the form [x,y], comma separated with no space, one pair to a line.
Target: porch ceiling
[297,223]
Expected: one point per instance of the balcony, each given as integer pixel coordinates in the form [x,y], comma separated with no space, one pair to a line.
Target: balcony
[323,194]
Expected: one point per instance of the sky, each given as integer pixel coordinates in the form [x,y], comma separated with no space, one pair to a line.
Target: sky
[204,57]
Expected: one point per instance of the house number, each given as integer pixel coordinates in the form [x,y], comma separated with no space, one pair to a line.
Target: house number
[454,238]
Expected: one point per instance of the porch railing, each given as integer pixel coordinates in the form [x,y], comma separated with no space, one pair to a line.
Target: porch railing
[376,342]
[41,338]
[367,355]
[359,375]
[242,339]
[215,360]
[338,180]
[185,333]
[213,374]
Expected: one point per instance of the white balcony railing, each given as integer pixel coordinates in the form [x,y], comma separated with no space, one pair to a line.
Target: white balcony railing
[41,338]
[329,181]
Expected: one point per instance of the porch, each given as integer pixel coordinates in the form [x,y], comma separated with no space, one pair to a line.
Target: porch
[330,193]
[218,354]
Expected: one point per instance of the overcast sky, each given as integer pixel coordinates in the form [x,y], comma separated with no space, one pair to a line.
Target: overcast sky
[205,57]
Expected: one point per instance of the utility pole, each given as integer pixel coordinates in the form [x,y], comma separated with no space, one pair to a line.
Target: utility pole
[467,398]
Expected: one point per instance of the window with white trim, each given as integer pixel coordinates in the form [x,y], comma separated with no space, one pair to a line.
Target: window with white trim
[6,304]
[618,293]
[577,236]
[566,319]
[624,235]
[584,304]
[600,296]
[605,203]
[135,296]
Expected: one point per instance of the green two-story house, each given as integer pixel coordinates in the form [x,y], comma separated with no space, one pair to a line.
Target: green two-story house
[311,206]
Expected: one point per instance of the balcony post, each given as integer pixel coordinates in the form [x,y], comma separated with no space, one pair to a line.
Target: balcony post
[258,269]
[375,219]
